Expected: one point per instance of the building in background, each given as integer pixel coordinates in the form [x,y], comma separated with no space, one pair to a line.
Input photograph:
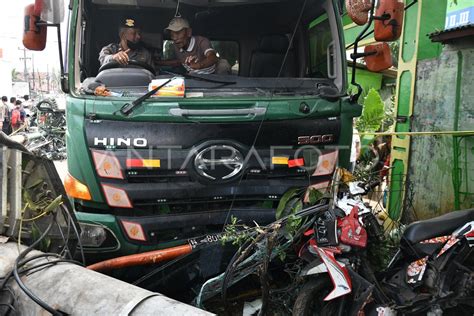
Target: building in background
[433,173]
[459,13]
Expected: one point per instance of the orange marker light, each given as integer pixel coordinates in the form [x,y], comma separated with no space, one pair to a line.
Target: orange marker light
[75,189]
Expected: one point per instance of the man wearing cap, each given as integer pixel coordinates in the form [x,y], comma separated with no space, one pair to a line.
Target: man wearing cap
[130,47]
[194,53]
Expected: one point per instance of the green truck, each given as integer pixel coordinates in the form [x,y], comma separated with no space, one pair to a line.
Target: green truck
[149,173]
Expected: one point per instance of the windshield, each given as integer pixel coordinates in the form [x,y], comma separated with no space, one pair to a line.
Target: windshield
[254,47]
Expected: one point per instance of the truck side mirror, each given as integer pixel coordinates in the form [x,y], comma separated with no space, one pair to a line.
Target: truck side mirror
[34,35]
[378,57]
[358,10]
[388,20]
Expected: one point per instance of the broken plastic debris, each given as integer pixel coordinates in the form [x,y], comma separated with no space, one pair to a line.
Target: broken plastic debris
[252,308]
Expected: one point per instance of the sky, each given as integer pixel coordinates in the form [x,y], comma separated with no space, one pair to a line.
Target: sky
[11,34]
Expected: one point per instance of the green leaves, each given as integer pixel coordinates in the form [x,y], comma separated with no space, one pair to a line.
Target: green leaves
[373,113]
[293,223]
[314,196]
[235,233]
[285,205]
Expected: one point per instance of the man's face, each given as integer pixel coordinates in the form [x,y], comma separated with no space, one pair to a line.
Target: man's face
[132,35]
[181,38]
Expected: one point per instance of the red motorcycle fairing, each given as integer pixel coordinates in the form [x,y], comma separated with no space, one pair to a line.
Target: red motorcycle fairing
[339,274]
[430,247]
[416,269]
[470,238]
[309,253]
[436,240]
[352,232]
[466,231]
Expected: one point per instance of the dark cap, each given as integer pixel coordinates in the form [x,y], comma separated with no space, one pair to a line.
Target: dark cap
[129,22]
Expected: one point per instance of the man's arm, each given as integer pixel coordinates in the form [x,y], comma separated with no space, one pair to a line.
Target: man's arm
[106,55]
[110,53]
[209,60]
[210,57]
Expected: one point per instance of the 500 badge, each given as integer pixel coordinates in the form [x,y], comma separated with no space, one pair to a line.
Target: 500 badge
[315,139]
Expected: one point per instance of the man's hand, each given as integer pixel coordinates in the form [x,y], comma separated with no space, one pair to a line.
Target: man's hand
[193,62]
[121,57]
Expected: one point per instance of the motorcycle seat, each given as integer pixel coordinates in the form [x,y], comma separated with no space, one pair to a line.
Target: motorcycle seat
[436,227]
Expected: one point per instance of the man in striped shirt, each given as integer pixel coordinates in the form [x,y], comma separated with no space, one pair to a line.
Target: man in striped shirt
[194,53]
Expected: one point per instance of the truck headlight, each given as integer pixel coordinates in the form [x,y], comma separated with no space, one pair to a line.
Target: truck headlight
[93,235]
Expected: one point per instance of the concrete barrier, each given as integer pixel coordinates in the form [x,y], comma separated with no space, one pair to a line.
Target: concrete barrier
[75,290]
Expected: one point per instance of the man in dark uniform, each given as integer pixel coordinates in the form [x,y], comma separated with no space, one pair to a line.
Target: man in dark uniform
[130,47]
[194,53]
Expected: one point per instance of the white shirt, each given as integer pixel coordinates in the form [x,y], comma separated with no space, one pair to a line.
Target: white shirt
[355,144]
[3,111]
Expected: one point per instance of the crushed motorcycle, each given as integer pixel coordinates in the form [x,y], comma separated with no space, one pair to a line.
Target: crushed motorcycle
[327,268]
[430,273]
[45,136]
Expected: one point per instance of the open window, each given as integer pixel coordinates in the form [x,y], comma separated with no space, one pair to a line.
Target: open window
[320,49]
[280,46]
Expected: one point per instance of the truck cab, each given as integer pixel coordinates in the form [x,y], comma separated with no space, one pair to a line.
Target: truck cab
[230,145]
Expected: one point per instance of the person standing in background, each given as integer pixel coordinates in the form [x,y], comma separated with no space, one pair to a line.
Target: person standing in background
[16,117]
[27,104]
[355,149]
[22,111]
[3,111]
[7,129]
[12,104]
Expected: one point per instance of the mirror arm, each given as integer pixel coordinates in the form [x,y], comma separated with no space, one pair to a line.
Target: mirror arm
[356,96]
[383,17]
[360,55]
[60,48]
[408,6]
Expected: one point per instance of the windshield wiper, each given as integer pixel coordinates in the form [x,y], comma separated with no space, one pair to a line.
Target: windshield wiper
[127,108]
[190,76]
